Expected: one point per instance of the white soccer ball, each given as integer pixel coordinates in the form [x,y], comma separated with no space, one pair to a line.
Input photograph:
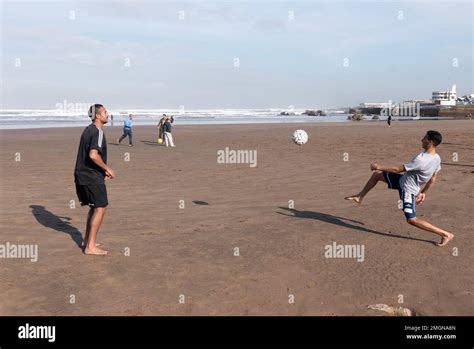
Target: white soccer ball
[300,137]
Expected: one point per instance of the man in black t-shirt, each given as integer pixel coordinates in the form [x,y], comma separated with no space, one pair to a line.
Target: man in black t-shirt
[90,174]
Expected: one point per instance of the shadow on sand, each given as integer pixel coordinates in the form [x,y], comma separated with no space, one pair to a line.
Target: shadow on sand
[61,224]
[340,221]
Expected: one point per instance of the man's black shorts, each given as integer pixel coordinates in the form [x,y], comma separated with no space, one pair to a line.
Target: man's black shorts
[94,195]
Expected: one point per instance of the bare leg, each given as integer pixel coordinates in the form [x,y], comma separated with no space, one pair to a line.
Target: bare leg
[88,227]
[373,180]
[95,222]
[422,224]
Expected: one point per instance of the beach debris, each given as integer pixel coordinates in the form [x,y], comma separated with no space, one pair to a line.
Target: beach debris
[356,117]
[394,311]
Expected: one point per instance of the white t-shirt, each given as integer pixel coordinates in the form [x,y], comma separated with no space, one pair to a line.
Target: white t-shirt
[419,171]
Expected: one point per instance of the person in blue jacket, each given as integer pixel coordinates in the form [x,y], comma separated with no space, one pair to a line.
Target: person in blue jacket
[127,130]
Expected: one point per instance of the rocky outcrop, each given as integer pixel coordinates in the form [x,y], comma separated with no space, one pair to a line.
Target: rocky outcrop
[314,113]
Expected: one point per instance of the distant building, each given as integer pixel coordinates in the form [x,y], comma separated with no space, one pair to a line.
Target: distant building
[439,98]
[418,101]
[445,97]
[375,105]
[466,99]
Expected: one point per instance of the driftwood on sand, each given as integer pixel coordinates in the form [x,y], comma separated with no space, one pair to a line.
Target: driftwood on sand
[394,311]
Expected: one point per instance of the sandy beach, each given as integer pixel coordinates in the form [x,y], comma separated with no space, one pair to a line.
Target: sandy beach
[236,248]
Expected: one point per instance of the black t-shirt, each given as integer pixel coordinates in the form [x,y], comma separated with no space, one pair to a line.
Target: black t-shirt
[86,171]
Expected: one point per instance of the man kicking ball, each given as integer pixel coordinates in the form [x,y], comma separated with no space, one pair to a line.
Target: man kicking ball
[422,170]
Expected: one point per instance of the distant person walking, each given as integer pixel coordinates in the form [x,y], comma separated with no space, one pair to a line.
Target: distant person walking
[90,174]
[389,120]
[127,131]
[111,120]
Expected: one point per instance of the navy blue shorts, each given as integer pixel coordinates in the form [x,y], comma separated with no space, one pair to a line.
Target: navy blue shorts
[408,199]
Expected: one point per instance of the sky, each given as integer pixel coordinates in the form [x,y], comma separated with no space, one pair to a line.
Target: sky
[232,54]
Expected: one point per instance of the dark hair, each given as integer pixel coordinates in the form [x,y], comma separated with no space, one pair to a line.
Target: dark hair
[435,137]
[93,109]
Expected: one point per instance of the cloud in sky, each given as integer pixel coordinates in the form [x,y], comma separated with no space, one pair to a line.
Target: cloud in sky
[190,61]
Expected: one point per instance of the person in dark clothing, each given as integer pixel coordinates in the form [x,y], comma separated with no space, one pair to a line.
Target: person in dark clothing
[161,126]
[389,120]
[90,173]
[167,133]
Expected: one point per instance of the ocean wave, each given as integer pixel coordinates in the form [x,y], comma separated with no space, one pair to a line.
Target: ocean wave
[34,118]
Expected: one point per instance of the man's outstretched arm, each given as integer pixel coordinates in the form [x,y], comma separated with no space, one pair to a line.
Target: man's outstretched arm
[391,169]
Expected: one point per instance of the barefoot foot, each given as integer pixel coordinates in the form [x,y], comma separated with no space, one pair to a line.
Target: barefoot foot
[84,245]
[355,198]
[95,251]
[445,240]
